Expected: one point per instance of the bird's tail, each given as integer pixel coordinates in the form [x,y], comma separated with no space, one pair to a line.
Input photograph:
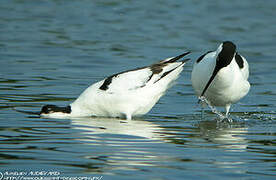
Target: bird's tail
[176,58]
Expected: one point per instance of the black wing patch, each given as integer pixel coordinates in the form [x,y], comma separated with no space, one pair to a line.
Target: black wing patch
[165,74]
[155,68]
[158,67]
[201,57]
[239,60]
[107,81]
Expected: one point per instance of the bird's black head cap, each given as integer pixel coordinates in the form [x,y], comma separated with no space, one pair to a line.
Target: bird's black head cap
[47,109]
[226,54]
[224,58]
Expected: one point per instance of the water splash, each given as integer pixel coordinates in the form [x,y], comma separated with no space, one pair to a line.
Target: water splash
[221,116]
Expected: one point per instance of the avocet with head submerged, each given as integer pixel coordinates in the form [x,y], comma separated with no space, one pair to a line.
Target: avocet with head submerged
[221,76]
[126,94]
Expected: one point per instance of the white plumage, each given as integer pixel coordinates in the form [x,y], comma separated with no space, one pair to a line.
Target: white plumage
[221,76]
[126,94]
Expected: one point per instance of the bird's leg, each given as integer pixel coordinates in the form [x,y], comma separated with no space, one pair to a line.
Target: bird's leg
[227,109]
[202,102]
[202,112]
[128,116]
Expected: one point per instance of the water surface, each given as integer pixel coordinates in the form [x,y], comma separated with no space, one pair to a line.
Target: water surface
[52,50]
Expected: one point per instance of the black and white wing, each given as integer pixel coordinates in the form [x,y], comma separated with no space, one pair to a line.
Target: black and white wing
[141,77]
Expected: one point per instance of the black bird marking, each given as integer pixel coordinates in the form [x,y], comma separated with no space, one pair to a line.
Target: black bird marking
[239,60]
[53,108]
[226,55]
[224,59]
[176,58]
[107,81]
[201,57]
[166,73]
[155,69]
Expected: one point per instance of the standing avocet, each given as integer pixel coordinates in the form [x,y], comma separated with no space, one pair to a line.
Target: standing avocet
[221,76]
[126,94]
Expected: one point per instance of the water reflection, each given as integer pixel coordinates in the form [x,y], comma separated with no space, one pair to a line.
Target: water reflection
[119,142]
[139,142]
[136,128]
[229,136]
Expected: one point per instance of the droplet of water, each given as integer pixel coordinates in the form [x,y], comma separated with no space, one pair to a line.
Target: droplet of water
[214,110]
